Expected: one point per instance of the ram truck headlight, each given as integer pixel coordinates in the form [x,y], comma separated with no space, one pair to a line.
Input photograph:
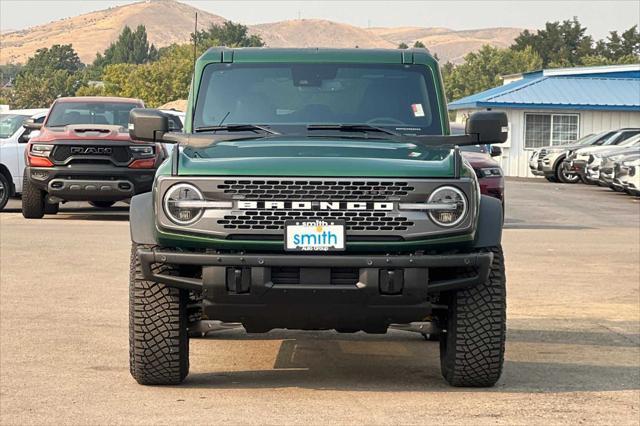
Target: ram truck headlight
[41,150]
[183,204]
[489,172]
[451,203]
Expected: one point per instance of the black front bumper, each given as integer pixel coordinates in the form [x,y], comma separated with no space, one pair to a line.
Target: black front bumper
[386,289]
[91,182]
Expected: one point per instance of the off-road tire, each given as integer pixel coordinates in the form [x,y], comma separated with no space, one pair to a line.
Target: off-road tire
[5,190]
[158,340]
[472,346]
[33,200]
[102,204]
[51,208]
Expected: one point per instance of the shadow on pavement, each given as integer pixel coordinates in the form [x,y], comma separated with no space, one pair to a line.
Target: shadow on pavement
[406,363]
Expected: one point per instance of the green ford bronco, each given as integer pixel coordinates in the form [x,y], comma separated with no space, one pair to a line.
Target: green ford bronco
[317,189]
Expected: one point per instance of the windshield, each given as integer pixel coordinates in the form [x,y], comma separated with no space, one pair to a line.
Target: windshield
[287,95]
[114,113]
[9,123]
[620,137]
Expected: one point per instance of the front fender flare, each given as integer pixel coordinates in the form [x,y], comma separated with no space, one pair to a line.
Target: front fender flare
[490,220]
[142,219]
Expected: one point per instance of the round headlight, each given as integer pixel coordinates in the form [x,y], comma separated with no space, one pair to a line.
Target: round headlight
[176,204]
[455,199]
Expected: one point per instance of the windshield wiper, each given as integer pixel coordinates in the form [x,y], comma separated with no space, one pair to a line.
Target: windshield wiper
[352,128]
[237,128]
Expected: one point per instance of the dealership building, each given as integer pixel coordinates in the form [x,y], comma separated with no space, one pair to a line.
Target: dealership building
[557,106]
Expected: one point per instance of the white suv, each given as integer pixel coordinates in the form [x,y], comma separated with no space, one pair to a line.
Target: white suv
[13,139]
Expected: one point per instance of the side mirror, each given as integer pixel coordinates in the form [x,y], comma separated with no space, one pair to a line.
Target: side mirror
[496,151]
[149,125]
[30,124]
[490,126]
[28,135]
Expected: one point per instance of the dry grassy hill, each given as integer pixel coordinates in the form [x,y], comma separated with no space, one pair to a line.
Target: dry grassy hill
[169,21]
[166,22]
[450,45]
[318,33]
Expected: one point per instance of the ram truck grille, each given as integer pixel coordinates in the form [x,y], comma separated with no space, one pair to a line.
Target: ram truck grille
[64,153]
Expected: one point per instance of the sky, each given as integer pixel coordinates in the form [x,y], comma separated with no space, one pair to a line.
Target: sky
[599,17]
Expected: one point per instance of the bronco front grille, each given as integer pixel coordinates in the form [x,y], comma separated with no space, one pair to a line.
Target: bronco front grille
[355,221]
[334,190]
[259,206]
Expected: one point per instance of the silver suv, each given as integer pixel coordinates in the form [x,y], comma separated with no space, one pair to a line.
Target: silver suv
[548,161]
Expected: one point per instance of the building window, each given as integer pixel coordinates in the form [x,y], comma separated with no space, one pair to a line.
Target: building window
[549,129]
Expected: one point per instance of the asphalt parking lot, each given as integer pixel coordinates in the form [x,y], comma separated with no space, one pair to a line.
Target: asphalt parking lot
[573,348]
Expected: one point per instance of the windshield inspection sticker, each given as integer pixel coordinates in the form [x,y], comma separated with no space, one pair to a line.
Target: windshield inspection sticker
[417,110]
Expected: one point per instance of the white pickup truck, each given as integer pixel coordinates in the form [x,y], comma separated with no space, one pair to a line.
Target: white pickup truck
[13,139]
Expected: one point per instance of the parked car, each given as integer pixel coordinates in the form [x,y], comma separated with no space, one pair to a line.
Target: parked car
[577,161]
[605,162]
[627,173]
[277,214]
[13,139]
[548,161]
[84,153]
[594,161]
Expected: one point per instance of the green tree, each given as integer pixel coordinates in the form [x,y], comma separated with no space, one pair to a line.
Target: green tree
[131,47]
[559,44]
[158,82]
[228,34]
[482,70]
[9,72]
[418,43]
[403,46]
[50,73]
[619,47]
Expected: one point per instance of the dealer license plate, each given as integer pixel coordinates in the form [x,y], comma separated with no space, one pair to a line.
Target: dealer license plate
[316,235]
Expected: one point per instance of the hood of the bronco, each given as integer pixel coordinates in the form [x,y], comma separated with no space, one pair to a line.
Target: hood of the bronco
[317,157]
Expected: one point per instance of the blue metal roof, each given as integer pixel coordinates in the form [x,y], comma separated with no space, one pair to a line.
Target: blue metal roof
[584,92]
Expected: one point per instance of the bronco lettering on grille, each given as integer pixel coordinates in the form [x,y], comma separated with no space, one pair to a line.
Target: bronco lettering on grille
[313,205]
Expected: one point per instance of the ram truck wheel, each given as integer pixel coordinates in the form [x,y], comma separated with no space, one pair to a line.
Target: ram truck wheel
[158,339]
[472,346]
[33,200]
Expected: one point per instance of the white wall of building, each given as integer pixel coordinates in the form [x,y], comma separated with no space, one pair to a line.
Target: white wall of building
[515,157]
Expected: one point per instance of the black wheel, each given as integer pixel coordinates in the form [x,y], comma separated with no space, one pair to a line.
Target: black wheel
[194,312]
[5,188]
[158,340]
[51,208]
[33,200]
[551,178]
[563,176]
[102,204]
[472,346]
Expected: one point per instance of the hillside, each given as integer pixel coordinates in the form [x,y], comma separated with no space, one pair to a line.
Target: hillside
[318,33]
[166,21]
[448,44]
[169,21]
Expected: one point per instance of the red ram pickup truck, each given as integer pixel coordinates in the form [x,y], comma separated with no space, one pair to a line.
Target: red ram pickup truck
[84,153]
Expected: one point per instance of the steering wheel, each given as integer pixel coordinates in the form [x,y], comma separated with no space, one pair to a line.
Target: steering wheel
[386,120]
